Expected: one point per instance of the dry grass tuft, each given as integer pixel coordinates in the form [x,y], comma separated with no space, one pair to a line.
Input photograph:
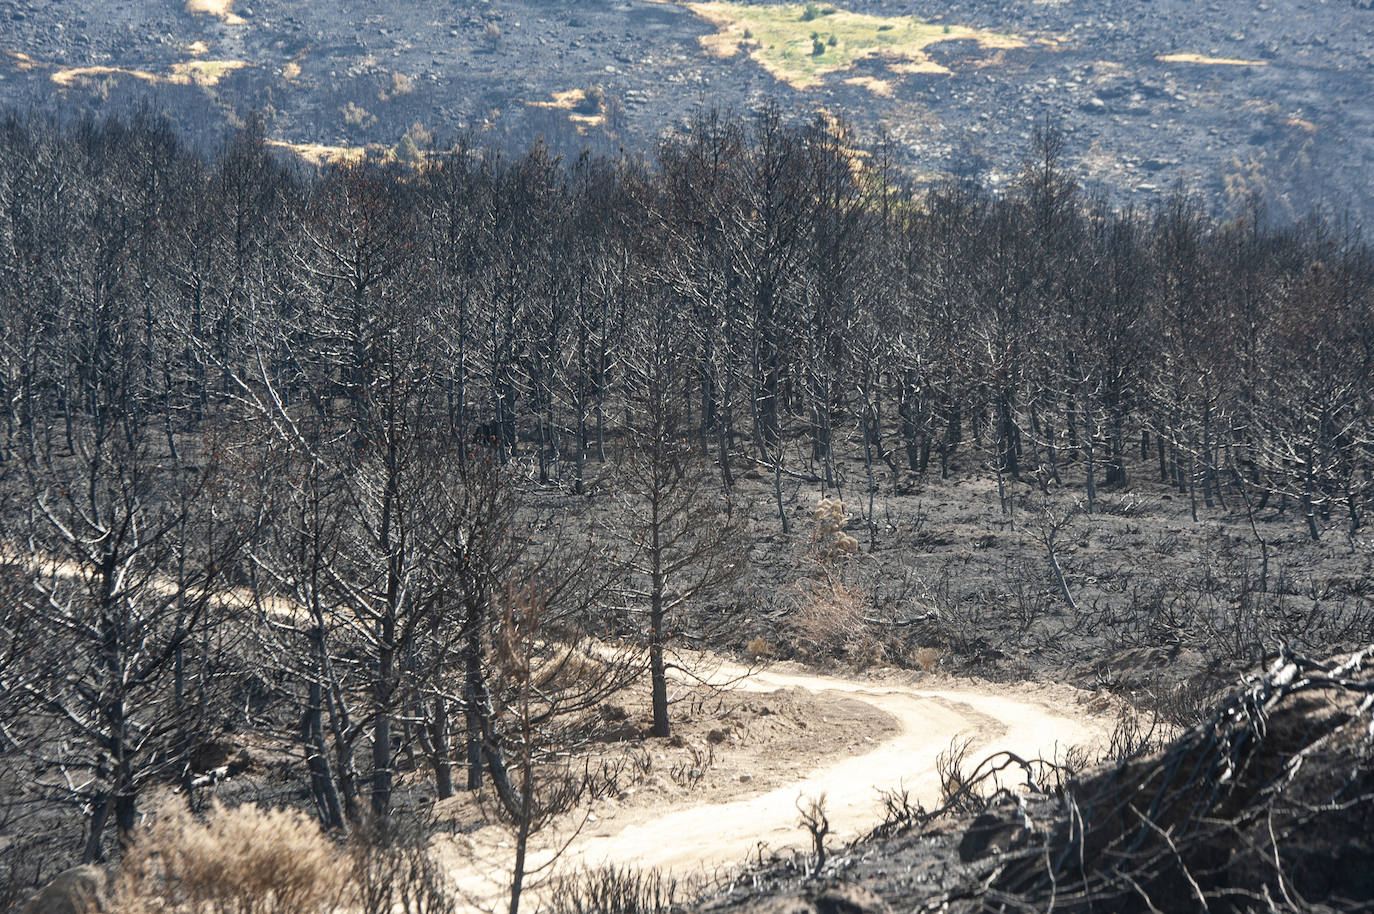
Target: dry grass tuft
[828,622]
[759,648]
[569,666]
[400,84]
[203,73]
[243,860]
[926,658]
[356,115]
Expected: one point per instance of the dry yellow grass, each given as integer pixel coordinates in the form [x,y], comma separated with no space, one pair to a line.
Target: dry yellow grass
[69,76]
[203,73]
[197,48]
[573,101]
[879,87]
[1210,61]
[22,61]
[783,40]
[291,70]
[220,9]
[320,154]
[244,860]
[569,99]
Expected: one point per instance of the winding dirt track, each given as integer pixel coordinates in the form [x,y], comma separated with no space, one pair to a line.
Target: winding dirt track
[684,839]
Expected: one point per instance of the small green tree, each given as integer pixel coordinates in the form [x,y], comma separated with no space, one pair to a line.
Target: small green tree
[592,98]
[406,150]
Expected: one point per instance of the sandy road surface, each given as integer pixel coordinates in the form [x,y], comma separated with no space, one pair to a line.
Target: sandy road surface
[683,838]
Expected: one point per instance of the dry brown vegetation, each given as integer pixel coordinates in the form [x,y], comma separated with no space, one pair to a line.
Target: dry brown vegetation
[203,73]
[240,860]
[219,9]
[1204,60]
[250,860]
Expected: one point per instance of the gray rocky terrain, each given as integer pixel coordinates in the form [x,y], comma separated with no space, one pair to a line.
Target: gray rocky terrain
[1271,98]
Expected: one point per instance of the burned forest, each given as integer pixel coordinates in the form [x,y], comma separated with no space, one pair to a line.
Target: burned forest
[348,511]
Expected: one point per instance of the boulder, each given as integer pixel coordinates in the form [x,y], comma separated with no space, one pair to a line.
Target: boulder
[79,890]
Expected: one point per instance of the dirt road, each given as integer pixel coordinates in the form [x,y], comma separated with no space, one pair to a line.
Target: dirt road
[683,837]
[682,834]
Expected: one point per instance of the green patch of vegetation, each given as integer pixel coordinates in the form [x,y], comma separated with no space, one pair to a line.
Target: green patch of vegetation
[406,150]
[782,39]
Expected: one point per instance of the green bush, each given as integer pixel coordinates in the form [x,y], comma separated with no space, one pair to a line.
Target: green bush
[592,97]
[812,11]
[406,150]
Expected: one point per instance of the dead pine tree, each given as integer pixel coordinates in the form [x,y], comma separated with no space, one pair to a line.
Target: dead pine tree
[1051,522]
[678,538]
[125,554]
[550,678]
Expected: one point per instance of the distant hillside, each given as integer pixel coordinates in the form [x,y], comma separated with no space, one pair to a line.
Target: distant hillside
[1239,98]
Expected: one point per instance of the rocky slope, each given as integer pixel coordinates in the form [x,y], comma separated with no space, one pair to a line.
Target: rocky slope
[1235,97]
